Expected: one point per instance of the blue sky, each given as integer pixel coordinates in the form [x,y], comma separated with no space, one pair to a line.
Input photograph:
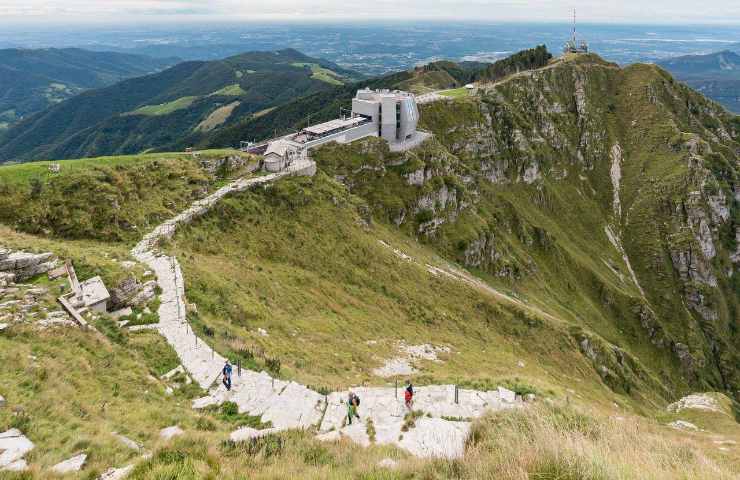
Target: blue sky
[121,11]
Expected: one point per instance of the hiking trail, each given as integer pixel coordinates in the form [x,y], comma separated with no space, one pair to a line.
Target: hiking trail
[447,411]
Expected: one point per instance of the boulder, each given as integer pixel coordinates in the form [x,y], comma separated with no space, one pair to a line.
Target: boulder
[388,463]
[13,446]
[127,442]
[246,433]
[73,464]
[683,425]
[170,432]
[116,473]
[2,401]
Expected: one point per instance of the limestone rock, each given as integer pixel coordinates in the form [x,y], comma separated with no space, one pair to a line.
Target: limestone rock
[683,425]
[128,442]
[506,395]
[116,473]
[246,433]
[2,401]
[171,432]
[436,438]
[17,466]
[696,401]
[73,464]
[332,436]
[388,463]
[13,446]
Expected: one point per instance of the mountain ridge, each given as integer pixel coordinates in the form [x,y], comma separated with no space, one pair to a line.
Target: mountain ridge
[34,79]
[74,128]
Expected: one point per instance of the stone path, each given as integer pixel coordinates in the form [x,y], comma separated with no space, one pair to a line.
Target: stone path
[285,404]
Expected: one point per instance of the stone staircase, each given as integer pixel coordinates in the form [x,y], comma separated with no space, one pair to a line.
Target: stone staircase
[441,432]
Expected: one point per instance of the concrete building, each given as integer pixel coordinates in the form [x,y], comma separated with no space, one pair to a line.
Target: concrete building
[391,115]
[95,295]
[278,155]
[394,112]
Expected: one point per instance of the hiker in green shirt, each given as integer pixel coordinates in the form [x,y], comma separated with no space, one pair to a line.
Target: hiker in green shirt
[352,403]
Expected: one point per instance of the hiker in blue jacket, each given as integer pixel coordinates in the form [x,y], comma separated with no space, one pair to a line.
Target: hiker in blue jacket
[227,375]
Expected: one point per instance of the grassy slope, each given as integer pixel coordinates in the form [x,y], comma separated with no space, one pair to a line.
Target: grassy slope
[107,198]
[322,285]
[166,108]
[547,240]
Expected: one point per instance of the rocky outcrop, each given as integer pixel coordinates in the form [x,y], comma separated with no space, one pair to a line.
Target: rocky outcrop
[132,293]
[248,163]
[24,265]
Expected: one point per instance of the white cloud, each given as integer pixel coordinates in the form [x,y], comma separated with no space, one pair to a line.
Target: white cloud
[537,10]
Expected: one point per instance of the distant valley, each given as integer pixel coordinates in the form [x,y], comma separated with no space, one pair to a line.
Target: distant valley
[716,75]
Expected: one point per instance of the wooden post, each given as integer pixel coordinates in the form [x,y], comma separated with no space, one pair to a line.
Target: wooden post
[457,398]
[239,367]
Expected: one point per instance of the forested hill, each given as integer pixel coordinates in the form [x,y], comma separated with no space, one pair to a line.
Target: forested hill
[31,80]
[156,110]
[325,105]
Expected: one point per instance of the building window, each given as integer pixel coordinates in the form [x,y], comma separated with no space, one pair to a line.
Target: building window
[398,120]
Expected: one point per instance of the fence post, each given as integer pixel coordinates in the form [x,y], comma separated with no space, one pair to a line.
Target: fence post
[239,367]
[396,389]
[457,398]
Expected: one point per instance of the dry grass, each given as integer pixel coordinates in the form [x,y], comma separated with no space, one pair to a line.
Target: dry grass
[564,443]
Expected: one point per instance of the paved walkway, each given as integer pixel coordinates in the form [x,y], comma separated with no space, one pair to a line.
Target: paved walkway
[440,433]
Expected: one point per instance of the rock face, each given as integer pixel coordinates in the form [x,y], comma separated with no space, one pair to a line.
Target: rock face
[131,293]
[504,184]
[23,265]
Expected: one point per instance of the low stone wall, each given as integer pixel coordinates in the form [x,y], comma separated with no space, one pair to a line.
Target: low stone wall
[231,162]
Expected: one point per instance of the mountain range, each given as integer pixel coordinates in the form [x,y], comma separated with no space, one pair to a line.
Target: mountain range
[716,75]
[157,110]
[251,96]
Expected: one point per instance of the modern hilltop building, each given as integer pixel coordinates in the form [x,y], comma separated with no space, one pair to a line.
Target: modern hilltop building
[394,113]
[390,115]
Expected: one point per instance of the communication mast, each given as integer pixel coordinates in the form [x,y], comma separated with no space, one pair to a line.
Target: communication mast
[572,46]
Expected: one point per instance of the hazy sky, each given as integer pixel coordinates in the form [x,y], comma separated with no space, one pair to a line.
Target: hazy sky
[107,11]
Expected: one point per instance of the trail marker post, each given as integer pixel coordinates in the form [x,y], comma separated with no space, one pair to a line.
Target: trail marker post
[457,397]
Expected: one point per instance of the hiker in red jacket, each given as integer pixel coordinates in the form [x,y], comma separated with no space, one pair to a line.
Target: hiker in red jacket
[408,394]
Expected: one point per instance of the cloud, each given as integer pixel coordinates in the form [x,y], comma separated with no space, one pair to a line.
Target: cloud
[523,10]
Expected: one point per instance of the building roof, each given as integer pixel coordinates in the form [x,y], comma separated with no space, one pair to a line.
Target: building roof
[278,147]
[330,126]
[94,291]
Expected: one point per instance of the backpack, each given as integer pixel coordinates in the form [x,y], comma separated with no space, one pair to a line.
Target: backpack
[354,400]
